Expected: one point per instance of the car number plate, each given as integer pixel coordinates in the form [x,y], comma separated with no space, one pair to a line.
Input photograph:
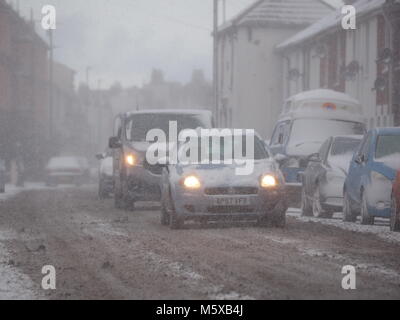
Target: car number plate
[229,201]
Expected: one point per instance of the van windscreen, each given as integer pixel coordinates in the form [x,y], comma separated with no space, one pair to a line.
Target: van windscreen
[307,135]
[140,124]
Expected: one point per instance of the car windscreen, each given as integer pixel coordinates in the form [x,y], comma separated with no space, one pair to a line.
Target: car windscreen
[140,124]
[307,135]
[64,162]
[225,148]
[387,145]
[344,146]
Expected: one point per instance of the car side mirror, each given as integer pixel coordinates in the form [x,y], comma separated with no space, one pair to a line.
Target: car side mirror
[280,157]
[360,159]
[99,156]
[315,157]
[114,143]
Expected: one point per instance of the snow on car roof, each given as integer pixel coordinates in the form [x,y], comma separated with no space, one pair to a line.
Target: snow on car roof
[322,104]
[322,94]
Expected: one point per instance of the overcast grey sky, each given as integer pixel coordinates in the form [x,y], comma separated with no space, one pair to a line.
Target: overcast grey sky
[124,39]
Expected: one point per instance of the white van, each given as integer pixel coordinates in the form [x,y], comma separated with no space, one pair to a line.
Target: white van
[307,120]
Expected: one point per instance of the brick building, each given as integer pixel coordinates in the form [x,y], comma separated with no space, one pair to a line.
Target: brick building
[23,90]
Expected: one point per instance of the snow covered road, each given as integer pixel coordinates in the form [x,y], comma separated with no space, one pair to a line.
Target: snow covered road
[103,253]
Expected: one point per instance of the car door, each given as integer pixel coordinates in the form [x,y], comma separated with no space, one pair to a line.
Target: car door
[318,168]
[358,168]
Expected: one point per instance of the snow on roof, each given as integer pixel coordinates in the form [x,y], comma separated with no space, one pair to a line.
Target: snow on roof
[288,12]
[324,94]
[332,20]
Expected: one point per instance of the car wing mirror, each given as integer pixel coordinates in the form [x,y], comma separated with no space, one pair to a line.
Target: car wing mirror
[99,156]
[280,157]
[315,157]
[359,159]
[114,143]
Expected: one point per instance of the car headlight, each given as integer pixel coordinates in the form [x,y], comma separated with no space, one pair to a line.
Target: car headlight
[268,181]
[130,160]
[192,182]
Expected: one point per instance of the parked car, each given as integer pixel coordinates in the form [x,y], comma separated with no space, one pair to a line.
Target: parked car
[201,191]
[395,217]
[323,179]
[105,172]
[2,176]
[67,170]
[373,170]
[307,120]
[135,179]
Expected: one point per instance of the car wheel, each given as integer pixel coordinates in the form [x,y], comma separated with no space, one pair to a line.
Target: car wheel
[306,208]
[164,213]
[317,210]
[348,214]
[395,216]
[119,201]
[175,222]
[279,221]
[102,194]
[366,218]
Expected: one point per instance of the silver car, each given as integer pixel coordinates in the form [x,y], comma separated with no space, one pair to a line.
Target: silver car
[203,192]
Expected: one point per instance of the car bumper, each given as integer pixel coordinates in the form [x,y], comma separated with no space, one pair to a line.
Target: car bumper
[107,184]
[65,178]
[143,185]
[191,205]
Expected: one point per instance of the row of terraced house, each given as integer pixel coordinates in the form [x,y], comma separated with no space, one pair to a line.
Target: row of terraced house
[31,131]
[277,48]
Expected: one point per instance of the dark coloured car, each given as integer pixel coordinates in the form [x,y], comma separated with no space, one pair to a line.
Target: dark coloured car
[323,179]
[135,179]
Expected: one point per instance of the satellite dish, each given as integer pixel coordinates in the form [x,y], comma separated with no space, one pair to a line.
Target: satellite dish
[294,74]
[386,56]
[320,51]
[380,84]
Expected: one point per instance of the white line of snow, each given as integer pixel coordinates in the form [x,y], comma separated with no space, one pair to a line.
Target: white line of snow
[345,260]
[381,229]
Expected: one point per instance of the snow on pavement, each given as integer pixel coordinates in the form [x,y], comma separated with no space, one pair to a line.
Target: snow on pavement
[380,229]
[14,285]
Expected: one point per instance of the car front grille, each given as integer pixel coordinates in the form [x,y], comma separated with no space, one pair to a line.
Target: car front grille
[154,169]
[231,191]
[230,209]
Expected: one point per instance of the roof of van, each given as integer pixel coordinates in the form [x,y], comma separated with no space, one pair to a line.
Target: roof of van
[323,94]
[171,111]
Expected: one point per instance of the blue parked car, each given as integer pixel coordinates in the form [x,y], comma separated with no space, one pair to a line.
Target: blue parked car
[373,170]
